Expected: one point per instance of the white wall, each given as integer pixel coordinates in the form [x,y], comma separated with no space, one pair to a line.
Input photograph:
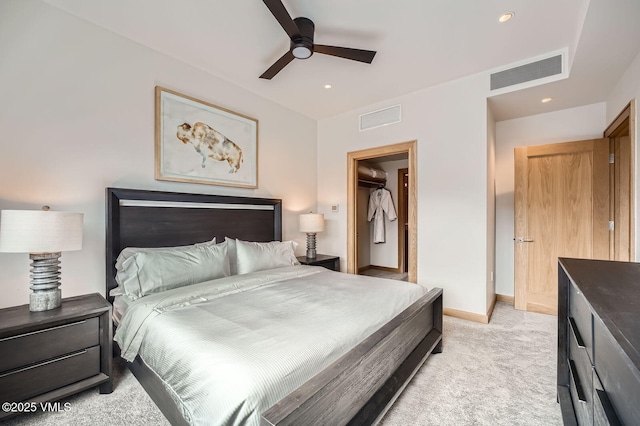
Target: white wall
[628,88]
[77,115]
[449,123]
[587,122]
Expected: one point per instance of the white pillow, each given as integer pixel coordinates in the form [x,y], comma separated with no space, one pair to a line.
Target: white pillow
[232,255]
[260,256]
[130,251]
[147,272]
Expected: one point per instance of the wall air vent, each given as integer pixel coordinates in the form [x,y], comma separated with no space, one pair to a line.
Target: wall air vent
[381,117]
[528,72]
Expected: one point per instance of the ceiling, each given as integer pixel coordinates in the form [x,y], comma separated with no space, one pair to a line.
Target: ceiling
[420,43]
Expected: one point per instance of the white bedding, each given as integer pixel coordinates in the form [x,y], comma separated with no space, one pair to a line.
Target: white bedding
[120,305]
[230,348]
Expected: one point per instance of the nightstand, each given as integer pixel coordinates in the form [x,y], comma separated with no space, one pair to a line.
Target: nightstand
[46,356]
[329,262]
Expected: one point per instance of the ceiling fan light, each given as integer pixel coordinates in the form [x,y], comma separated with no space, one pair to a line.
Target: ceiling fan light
[301,52]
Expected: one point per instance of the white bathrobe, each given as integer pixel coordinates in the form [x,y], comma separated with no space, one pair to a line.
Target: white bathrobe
[380,202]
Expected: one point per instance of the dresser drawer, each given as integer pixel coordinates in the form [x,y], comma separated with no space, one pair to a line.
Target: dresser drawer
[603,412]
[581,400]
[580,312]
[619,377]
[28,348]
[18,385]
[581,372]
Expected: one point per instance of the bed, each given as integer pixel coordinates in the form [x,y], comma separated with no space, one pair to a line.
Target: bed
[355,386]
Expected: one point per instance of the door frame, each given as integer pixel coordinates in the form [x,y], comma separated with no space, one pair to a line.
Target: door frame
[352,206]
[402,200]
[624,123]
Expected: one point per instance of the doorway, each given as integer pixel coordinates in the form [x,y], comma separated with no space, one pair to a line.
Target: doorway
[572,199]
[354,212]
[561,210]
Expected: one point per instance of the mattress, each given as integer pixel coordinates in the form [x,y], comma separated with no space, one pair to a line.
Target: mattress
[230,348]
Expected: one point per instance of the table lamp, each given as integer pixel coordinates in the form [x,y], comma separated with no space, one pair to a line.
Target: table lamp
[43,234]
[311,223]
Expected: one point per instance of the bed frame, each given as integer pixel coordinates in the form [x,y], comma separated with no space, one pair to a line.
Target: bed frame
[357,389]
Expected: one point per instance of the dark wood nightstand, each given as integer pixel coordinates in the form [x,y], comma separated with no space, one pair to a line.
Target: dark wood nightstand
[46,356]
[329,262]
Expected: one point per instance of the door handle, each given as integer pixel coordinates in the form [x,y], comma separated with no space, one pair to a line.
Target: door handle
[521,240]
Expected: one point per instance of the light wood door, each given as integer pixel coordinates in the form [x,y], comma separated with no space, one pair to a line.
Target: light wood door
[561,210]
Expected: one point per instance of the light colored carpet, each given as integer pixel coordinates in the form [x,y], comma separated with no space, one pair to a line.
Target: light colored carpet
[501,373]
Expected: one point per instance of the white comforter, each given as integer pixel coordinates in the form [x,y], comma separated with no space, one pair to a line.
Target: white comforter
[228,349]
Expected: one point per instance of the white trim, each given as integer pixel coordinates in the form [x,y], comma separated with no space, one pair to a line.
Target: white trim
[189,205]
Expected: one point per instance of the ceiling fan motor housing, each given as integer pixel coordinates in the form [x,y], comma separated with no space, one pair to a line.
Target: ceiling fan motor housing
[302,45]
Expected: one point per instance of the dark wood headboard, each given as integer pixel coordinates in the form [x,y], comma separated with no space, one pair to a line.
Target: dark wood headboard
[138,218]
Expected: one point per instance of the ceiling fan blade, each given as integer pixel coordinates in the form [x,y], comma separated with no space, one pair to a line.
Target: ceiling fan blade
[346,52]
[277,66]
[282,16]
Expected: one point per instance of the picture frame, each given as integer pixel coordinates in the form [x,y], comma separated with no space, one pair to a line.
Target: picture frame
[199,142]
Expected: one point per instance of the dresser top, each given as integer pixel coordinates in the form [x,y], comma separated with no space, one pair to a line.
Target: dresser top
[613,291]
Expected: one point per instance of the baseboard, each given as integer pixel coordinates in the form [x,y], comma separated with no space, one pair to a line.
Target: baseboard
[505,298]
[470,316]
[363,268]
[490,310]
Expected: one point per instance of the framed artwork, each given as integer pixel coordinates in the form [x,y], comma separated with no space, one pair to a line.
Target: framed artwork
[199,142]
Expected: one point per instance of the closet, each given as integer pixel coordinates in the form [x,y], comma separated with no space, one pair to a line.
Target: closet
[382,248]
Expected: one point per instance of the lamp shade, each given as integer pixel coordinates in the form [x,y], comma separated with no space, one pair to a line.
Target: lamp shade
[37,231]
[311,222]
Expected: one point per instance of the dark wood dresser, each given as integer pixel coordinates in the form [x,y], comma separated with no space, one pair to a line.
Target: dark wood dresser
[46,356]
[599,342]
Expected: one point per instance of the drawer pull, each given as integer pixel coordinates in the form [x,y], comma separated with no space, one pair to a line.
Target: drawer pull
[576,333]
[576,381]
[43,330]
[612,418]
[40,364]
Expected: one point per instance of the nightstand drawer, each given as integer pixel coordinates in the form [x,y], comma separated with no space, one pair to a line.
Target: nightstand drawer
[23,383]
[28,348]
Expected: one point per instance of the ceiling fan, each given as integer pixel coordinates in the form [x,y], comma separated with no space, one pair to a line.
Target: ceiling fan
[300,31]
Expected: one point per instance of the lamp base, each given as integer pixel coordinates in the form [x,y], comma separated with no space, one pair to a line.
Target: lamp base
[45,300]
[45,282]
[311,246]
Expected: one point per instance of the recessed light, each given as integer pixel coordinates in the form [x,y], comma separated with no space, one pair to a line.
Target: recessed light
[506,16]
[328,86]
[545,100]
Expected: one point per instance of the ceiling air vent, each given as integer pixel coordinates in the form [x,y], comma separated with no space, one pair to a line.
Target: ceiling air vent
[532,71]
[381,117]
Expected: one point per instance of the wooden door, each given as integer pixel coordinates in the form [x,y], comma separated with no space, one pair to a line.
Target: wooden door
[561,210]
